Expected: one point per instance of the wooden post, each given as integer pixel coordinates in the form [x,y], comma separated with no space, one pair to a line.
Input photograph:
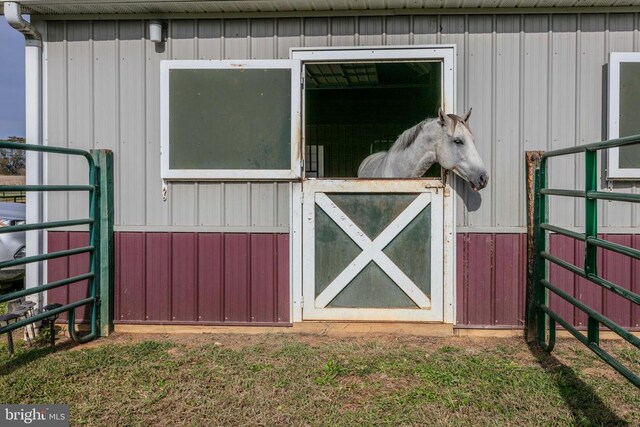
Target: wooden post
[532,159]
[104,162]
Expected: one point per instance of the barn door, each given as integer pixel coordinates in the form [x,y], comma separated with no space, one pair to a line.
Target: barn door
[373,250]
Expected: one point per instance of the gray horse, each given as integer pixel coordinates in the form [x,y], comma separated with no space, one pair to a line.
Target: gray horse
[446,139]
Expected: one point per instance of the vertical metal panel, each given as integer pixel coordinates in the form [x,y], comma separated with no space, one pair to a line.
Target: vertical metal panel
[211,277]
[56,133]
[508,296]
[425,29]
[283,281]
[263,39]
[282,205]
[210,39]
[618,269]
[263,278]
[236,196]
[210,202]
[370,30]
[536,81]
[157,211]
[316,31]
[635,281]
[182,199]
[158,275]
[563,112]
[79,264]
[343,31]
[398,30]
[183,277]
[80,118]
[236,280]
[507,124]
[132,113]
[236,45]
[564,248]
[480,96]
[130,257]
[289,31]
[58,269]
[263,204]
[182,39]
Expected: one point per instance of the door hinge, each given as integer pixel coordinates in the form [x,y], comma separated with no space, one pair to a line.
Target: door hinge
[301,166]
[301,301]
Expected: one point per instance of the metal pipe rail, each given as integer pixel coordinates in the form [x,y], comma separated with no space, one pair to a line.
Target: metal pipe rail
[92,278]
[545,318]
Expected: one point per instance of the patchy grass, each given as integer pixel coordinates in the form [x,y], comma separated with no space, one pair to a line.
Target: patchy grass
[310,380]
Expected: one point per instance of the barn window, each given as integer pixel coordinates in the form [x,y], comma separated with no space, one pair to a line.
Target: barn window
[228,120]
[624,104]
[358,100]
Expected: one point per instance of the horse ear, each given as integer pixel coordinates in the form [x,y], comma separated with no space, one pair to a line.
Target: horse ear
[442,117]
[466,116]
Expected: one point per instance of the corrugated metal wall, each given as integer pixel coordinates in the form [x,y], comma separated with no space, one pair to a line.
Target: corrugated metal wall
[534,81]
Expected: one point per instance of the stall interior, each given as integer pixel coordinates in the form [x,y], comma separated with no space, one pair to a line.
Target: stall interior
[355,109]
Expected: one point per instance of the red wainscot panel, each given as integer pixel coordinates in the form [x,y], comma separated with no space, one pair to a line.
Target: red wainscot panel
[202,278]
[491,280]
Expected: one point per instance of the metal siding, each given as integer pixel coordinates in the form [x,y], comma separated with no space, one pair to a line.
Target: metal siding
[398,30]
[263,278]
[109,104]
[183,277]
[236,45]
[56,133]
[507,110]
[283,281]
[132,152]
[237,277]
[263,39]
[210,277]
[480,92]
[158,275]
[564,248]
[131,280]
[209,39]
[370,31]
[316,31]
[58,269]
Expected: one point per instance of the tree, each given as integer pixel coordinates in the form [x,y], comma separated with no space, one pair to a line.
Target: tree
[12,162]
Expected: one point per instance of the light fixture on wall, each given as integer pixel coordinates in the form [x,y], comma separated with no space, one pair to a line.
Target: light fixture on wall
[156,31]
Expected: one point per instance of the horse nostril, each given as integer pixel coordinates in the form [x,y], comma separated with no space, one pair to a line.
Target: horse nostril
[484,178]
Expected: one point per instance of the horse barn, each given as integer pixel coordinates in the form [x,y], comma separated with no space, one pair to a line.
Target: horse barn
[238,127]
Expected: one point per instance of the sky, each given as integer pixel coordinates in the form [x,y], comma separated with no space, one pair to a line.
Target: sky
[11,81]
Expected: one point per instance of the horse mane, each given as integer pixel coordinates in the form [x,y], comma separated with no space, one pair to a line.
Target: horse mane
[409,136]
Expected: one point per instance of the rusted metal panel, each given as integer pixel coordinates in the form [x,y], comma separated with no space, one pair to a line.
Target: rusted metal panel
[158,276]
[183,277]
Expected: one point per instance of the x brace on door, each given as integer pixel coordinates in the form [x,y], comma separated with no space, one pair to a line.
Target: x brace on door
[373,250]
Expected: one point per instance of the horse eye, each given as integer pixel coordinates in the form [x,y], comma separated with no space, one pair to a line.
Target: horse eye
[458,141]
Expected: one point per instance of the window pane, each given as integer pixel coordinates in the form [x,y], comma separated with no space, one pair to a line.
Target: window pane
[230,119]
[629,107]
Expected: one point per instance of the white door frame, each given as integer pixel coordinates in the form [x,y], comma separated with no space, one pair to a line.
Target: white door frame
[445,53]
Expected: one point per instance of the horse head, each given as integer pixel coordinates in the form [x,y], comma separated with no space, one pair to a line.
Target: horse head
[457,150]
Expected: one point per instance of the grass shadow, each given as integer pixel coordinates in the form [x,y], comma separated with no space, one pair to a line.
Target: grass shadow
[30,354]
[583,401]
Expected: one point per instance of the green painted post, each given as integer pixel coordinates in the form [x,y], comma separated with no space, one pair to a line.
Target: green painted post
[591,211]
[104,161]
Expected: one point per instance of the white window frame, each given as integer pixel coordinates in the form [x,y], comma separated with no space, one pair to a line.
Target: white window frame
[613,170]
[293,172]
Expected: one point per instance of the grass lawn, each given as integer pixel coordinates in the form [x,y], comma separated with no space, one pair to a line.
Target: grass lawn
[229,380]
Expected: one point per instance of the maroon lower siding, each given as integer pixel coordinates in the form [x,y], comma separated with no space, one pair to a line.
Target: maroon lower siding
[491,276]
[242,278]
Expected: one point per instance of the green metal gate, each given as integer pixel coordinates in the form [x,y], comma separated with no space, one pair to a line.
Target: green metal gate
[542,318]
[99,298]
